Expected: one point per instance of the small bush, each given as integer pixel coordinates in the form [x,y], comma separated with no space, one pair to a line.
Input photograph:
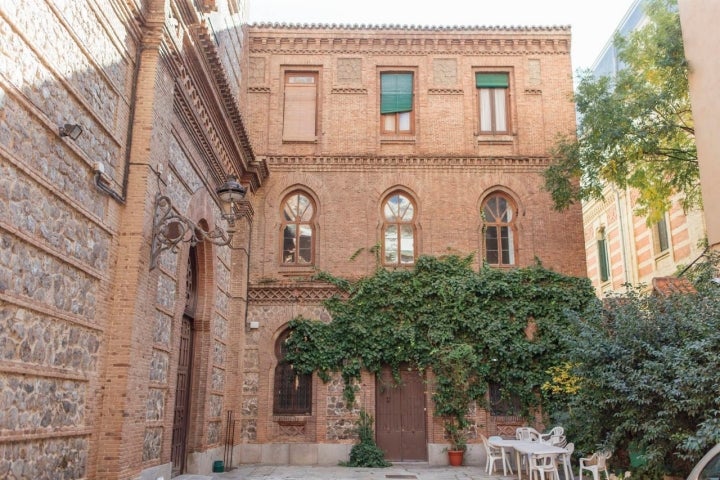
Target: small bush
[366,453]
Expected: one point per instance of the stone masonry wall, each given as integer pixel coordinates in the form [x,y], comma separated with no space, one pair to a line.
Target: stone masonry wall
[59,63]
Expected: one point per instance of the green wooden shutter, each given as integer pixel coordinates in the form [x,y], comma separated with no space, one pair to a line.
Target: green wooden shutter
[491,80]
[603,260]
[396,92]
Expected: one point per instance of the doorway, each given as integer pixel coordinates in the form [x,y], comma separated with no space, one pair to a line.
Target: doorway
[401,429]
[181,423]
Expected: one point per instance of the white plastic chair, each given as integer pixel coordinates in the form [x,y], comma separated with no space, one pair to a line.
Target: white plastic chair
[544,465]
[595,464]
[506,458]
[527,433]
[492,455]
[556,436]
[566,461]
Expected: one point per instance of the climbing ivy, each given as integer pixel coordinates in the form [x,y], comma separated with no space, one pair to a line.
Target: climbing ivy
[470,328]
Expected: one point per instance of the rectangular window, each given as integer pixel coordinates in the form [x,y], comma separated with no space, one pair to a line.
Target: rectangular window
[300,107]
[661,240]
[503,405]
[493,102]
[396,102]
[603,259]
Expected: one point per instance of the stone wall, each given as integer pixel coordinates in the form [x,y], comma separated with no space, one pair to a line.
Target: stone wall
[89,334]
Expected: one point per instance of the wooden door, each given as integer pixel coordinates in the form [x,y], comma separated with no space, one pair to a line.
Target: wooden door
[182,399]
[401,430]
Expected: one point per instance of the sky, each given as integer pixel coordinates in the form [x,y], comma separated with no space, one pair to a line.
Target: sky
[593,21]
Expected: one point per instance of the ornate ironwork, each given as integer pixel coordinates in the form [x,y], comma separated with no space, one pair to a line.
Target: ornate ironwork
[171,228]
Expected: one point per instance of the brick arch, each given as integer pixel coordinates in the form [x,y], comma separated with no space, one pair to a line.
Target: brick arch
[517,223]
[201,210]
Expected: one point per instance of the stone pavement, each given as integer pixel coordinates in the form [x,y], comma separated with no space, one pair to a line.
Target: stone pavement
[399,471]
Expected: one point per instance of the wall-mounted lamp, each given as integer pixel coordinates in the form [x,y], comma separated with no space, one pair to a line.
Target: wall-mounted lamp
[72,130]
[171,228]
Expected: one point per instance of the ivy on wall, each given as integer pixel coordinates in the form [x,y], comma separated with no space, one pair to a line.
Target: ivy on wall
[470,328]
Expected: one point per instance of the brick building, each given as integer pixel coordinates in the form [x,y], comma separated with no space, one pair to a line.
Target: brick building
[91,336]
[386,143]
[123,357]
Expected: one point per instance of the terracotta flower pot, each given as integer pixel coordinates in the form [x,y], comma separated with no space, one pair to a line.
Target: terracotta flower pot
[455,457]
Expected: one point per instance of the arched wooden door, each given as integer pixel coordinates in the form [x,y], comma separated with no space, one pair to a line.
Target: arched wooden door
[401,428]
[178,451]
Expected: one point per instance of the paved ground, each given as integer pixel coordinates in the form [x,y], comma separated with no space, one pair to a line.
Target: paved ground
[401,471]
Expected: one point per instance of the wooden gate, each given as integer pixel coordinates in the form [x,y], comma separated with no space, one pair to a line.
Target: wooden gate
[182,399]
[401,430]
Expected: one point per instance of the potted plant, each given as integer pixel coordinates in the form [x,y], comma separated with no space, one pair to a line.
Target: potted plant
[458,442]
[454,369]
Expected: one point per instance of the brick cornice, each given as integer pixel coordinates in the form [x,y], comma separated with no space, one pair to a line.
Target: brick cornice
[514,163]
[364,40]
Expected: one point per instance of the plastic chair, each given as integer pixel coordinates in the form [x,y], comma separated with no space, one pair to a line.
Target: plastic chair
[492,455]
[556,436]
[527,433]
[506,457]
[544,465]
[566,461]
[595,464]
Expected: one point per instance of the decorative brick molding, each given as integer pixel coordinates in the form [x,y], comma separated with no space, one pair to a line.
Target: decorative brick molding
[353,162]
[349,39]
[445,91]
[290,293]
[349,90]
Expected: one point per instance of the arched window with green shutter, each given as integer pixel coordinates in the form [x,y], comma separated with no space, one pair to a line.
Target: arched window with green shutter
[493,102]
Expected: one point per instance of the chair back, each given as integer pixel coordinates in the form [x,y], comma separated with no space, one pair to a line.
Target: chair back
[602,458]
[527,433]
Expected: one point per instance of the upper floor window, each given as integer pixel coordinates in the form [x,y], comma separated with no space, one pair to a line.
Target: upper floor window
[398,230]
[661,239]
[297,241]
[499,230]
[396,102]
[603,257]
[293,390]
[300,106]
[493,102]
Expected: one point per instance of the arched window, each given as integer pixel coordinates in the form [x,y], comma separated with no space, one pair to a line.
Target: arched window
[499,230]
[398,230]
[298,214]
[293,391]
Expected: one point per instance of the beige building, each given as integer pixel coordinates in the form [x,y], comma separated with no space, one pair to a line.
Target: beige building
[700,36]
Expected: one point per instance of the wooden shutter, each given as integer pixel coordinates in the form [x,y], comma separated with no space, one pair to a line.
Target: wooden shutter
[300,110]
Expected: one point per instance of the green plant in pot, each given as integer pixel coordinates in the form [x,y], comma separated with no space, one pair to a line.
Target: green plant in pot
[455,372]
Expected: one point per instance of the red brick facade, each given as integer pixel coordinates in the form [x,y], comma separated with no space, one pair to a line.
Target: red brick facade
[444,165]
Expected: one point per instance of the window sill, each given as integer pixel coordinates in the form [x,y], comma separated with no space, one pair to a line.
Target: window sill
[397,139]
[662,255]
[495,139]
[297,270]
[297,419]
[298,140]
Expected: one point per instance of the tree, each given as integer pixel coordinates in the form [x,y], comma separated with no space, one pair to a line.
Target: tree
[636,130]
[648,367]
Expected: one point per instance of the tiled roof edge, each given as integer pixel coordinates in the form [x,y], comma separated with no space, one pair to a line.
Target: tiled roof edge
[446,28]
